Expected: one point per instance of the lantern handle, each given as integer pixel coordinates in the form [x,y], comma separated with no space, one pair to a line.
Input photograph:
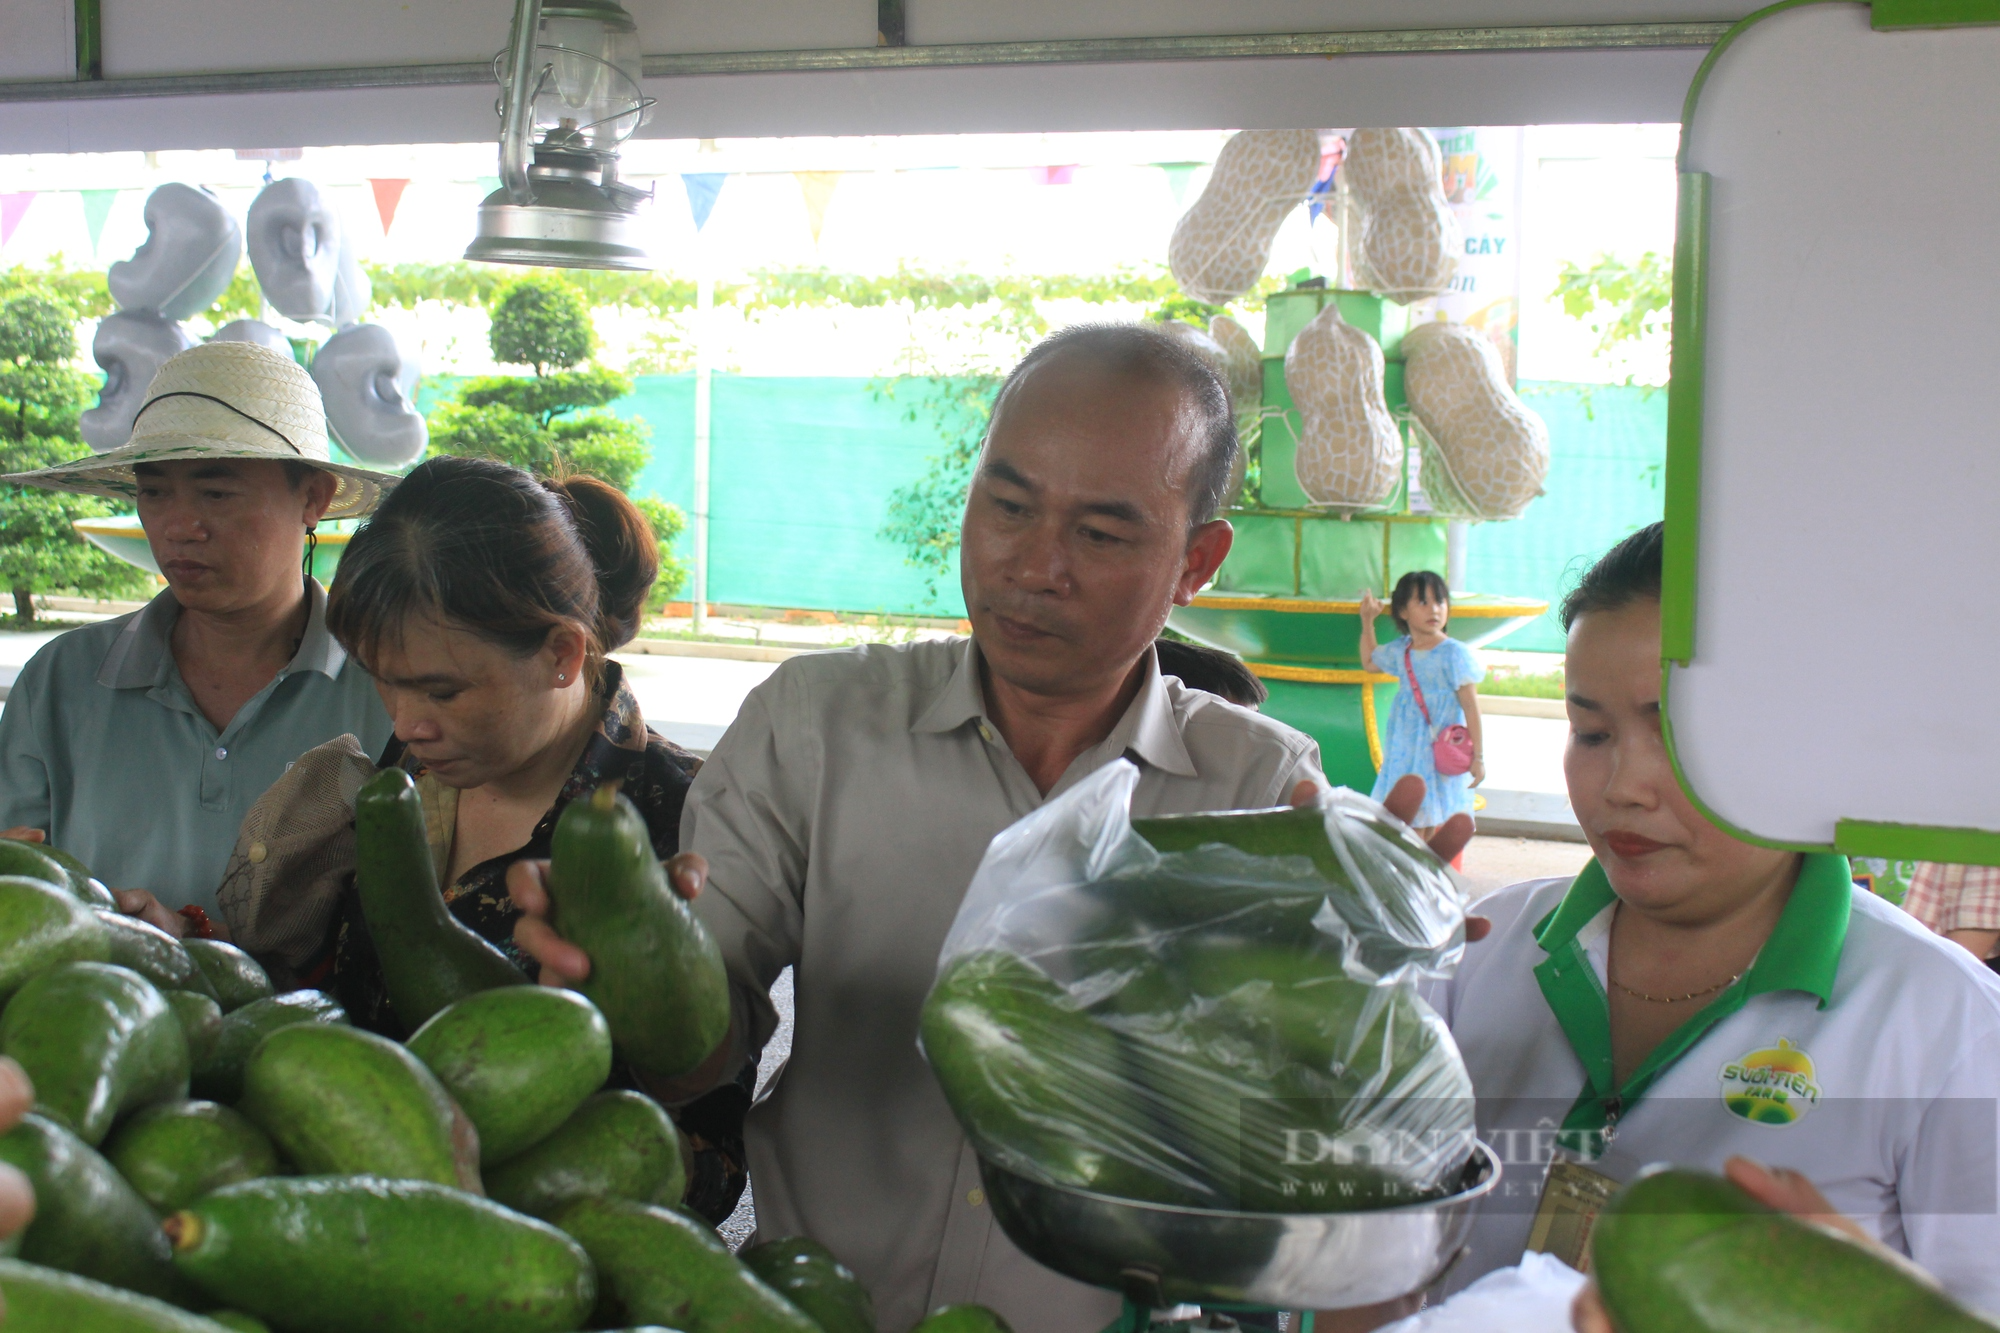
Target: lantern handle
[516,117]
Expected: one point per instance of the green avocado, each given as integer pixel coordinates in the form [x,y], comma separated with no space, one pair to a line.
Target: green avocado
[1687,1252]
[88,1220]
[1043,1088]
[805,1273]
[1302,1090]
[43,1300]
[618,1144]
[219,1076]
[89,889]
[153,954]
[234,976]
[97,1041]
[334,1254]
[518,1060]
[429,958]
[655,971]
[238,1322]
[962,1319]
[175,1152]
[660,1266]
[31,860]
[40,926]
[201,1023]
[339,1101]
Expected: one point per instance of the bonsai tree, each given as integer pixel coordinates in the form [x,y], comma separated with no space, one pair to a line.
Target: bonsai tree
[544,422]
[41,393]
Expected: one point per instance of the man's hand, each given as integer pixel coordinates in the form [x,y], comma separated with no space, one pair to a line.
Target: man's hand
[1405,799]
[24,834]
[139,903]
[17,1196]
[1775,1187]
[562,962]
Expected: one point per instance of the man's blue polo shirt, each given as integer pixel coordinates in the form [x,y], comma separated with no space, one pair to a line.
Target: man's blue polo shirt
[102,746]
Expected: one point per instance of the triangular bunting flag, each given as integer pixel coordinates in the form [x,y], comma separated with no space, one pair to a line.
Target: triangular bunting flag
[702,189]
[818,188]
[1321,195]
[96,208]
[13,207]
[1052,175]
[388,194]
[1178,176]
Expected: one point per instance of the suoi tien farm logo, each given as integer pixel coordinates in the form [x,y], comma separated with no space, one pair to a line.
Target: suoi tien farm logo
[1770,1087]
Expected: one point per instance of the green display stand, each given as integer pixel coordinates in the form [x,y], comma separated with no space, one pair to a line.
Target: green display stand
[1286,599]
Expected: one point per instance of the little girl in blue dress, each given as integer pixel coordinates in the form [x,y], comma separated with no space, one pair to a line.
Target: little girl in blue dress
[1446,672]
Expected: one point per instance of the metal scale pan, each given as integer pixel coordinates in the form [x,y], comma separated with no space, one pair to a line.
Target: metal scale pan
[1158,1256]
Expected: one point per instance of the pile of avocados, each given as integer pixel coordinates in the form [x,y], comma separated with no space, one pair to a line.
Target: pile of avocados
[210,1156]
[1190,1034]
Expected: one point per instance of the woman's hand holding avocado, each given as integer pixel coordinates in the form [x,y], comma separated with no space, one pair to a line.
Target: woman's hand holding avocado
[1775,1187]
[561,961]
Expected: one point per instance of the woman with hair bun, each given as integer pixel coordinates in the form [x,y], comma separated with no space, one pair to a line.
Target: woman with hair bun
[483,602]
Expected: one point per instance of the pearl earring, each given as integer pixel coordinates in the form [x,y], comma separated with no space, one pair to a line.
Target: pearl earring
[561,679]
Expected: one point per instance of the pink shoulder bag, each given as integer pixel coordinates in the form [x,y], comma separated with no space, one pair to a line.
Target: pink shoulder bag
[1451,748]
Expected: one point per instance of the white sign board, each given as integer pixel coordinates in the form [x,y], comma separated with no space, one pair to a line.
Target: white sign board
[1834,438]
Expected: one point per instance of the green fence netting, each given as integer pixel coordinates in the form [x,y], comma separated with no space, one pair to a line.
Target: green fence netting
[802,470]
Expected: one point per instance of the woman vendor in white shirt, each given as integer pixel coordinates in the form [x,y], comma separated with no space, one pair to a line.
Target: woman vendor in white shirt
[1690,997]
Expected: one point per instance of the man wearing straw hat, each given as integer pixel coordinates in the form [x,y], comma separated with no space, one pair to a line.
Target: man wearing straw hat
[140,743]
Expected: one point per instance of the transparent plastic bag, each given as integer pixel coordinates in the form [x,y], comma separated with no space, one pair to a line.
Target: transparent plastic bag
[1213,1011]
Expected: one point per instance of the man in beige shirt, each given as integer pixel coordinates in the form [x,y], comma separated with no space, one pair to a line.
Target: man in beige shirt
[843,814]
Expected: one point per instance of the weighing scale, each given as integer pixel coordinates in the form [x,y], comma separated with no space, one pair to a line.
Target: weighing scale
[1159,1257]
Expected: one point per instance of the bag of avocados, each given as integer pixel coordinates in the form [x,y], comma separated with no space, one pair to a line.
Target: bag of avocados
[1211,1011]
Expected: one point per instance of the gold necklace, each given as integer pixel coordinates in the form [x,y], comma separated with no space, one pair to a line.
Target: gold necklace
[1677,999]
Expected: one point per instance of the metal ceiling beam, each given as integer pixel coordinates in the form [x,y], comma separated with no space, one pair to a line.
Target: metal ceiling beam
[1114,50]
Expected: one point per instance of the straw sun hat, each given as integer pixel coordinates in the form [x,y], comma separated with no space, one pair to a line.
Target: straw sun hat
[222,400]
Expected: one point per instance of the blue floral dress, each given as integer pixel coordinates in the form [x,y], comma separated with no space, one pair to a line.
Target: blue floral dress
[1406,741]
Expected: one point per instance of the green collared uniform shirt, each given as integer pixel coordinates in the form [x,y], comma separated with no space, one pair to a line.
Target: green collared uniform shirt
[1857,1048]
[102,747]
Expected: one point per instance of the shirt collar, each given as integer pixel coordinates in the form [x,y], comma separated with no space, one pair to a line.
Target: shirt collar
[138,658]
[1803,952]
[1150,728]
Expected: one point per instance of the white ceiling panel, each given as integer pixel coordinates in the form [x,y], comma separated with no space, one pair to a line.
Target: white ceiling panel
[933,21]
[159,37]
[1490,88]
[37,40]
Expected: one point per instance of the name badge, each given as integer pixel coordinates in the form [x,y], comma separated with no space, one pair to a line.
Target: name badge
[1572,1197]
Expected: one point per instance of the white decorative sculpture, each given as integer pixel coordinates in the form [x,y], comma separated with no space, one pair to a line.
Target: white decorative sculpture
[191,252]
[295,246]
[367,384]
[1222,244]
[1495,449]
[131,346]
[1409,235]
[252,331]
[1350,451]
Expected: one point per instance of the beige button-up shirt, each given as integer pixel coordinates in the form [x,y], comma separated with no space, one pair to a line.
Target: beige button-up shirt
[843,815]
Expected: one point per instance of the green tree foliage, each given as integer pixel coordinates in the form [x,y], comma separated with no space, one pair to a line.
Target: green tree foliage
[546,422]
[1624,302]
[542,322]
[924,517]
[82,290]
[668,522]
[41,394]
